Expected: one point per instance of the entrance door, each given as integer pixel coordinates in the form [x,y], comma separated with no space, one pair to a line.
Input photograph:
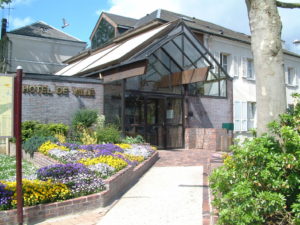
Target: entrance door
[157,119]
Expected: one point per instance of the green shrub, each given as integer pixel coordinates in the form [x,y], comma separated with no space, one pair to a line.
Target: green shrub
[50,129]
[84,118]
[32,128]
[32,144]
[133,140]
[259,183]
[108,134]
[28,129]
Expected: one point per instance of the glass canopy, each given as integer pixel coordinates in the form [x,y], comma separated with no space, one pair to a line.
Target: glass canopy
[178,51]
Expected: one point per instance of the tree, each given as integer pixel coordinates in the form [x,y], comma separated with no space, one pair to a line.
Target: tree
[3,2]
[266,26]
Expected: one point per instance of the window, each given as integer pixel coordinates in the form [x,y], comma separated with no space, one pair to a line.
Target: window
[224,61]
[103,34]
[291,76]
[244,115]
[250,69]
[251,115]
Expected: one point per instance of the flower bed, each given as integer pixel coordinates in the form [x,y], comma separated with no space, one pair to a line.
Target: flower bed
[81,172]
[116,185]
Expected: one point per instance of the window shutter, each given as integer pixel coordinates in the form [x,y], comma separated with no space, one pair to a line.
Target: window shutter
[244,116]
[286,75]
[244,67]
[217,57]
[296,78]
[236,66]
[237,116]
[253,69]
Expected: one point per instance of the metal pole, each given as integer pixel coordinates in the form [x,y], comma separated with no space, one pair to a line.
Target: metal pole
[17,134]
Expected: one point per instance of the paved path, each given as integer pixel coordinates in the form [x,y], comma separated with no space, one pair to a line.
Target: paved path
[189,160]
[163,196]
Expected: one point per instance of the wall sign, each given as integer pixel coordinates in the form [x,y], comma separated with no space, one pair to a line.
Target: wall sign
[59,90]
[6,106]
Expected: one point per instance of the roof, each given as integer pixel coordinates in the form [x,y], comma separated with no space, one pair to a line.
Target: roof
[42,30]
[115,53]
[193,23]
[121,20]
[144,47]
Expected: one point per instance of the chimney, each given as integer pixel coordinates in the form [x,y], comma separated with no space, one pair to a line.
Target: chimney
[3,27]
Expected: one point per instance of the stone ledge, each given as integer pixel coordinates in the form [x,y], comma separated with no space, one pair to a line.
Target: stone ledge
[116,185]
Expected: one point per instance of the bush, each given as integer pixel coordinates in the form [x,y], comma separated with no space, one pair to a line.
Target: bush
[259,183]
[84,118]
[32,128]
[32,144]
[108,134]
[51,129]
[28,129]
[133,140]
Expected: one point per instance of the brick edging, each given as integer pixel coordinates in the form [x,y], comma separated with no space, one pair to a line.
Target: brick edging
[209,213]
[116,185]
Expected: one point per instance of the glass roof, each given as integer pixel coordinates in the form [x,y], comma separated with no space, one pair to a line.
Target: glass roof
[175,51]
[109,55]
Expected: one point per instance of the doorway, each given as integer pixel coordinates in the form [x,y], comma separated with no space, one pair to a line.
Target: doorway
[159,119]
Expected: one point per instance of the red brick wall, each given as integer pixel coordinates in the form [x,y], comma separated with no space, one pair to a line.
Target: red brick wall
[207,138]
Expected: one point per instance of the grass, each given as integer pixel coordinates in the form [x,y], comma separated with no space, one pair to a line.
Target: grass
[8,167]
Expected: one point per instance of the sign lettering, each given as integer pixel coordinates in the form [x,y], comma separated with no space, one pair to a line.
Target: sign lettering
[59,90]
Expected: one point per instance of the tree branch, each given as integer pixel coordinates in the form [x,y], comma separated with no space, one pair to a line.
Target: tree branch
[288,5]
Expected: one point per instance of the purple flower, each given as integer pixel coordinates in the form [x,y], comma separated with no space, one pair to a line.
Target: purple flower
[61,171]
[5,197]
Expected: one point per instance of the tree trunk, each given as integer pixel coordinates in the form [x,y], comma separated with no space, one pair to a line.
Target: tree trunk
[265,26]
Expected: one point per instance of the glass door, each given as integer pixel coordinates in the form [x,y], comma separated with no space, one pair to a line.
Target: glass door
[157,118]
[173,123]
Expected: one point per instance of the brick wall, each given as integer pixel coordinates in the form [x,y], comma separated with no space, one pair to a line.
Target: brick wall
[116,185]
[208,139]
[59,108]
[210,112]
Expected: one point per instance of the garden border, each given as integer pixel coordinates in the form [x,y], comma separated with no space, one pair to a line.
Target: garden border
[116,185]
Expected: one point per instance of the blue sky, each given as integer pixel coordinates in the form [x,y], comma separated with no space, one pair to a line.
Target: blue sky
[83,15]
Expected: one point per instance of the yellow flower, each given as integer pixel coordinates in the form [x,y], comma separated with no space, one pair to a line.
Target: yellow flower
[48,145]
[124,146]
[117,163]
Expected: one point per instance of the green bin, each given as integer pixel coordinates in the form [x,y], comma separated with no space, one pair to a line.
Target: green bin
[228,126]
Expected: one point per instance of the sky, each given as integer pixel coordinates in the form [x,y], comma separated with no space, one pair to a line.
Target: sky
[83,15]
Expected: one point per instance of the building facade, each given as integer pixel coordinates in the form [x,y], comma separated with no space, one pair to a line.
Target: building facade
[39,48]
[229,49]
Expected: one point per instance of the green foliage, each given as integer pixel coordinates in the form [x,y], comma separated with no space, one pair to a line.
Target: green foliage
[32,144]
[32,128]
[108,134]
[84,118]
[133,140]
[260,182]
[3,2]
[28,129]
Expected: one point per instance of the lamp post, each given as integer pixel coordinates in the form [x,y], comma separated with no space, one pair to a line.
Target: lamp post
[17,134]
